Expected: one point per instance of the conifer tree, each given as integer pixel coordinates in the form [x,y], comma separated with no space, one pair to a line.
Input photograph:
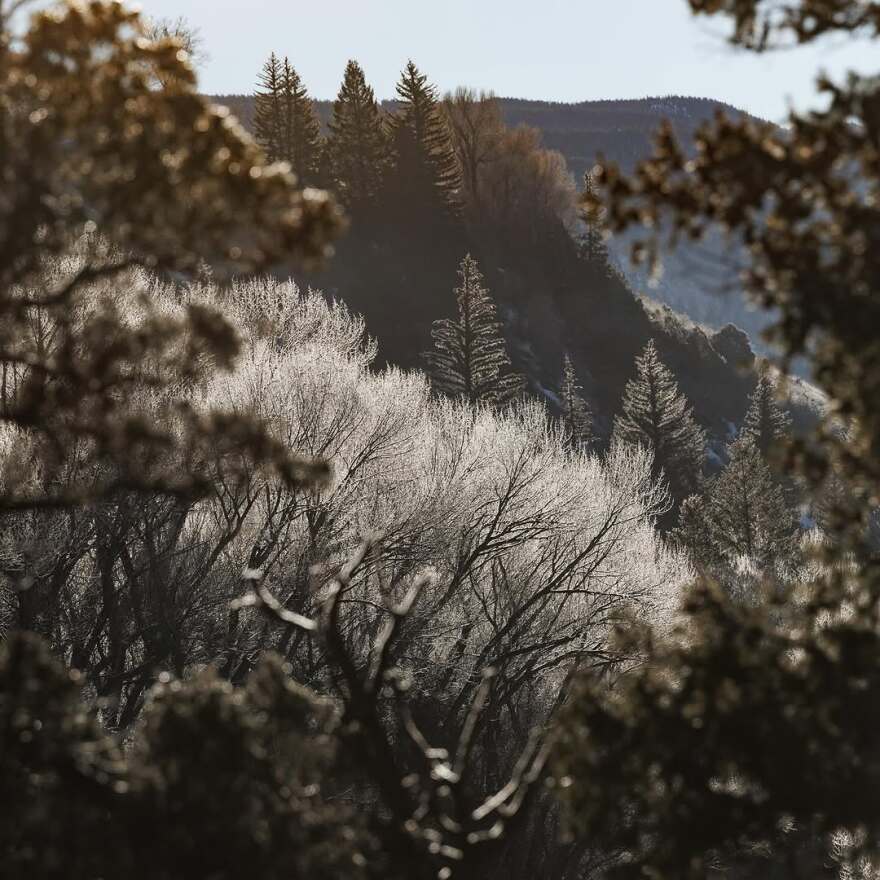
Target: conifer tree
[301,128]
[748,517]
[268,108]
[285,122]
[694,533]
[656,415]
[357,148]
[427,167]
[576,414]
[766,422]
[470,357]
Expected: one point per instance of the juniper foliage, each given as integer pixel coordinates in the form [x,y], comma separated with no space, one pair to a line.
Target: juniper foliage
[112,171]
[230,780]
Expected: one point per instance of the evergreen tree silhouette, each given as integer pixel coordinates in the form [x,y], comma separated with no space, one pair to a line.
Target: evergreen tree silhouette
[285,121]
[301,128]
[357,149]
[470,356]
[426,168]
[656,415]
[268,103]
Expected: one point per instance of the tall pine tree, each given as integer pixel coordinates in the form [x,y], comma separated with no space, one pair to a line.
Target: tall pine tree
[268,108]
[302,130]
[357,149]
[426,167]
[470,357]
[576,415]
[285,121]
[656,415]
[766,422]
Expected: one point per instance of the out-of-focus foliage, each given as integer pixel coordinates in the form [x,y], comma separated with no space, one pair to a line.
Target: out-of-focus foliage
[767,24]
[218,782]
[744,726]
[86,137]
[60,772]
[107,151]
[748,725]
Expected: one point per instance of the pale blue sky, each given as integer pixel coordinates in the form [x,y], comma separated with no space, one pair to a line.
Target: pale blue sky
[563,50]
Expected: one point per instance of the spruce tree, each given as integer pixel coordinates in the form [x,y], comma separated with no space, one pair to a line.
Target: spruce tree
[656,415]
[470,357]
[748,517]
[576,414]
[268,108]
[357,149]
[766,422]
[426,165]
[285,121]
[301,129]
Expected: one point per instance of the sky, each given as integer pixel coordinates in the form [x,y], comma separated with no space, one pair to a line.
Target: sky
[560,50]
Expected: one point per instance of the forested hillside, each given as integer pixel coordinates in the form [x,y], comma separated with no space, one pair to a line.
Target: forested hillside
[698,281]
[557,289]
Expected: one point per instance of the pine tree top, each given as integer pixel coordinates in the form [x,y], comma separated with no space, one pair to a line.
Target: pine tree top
[354,89]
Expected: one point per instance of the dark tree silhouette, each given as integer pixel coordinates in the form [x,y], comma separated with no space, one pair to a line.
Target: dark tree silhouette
[470,356]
